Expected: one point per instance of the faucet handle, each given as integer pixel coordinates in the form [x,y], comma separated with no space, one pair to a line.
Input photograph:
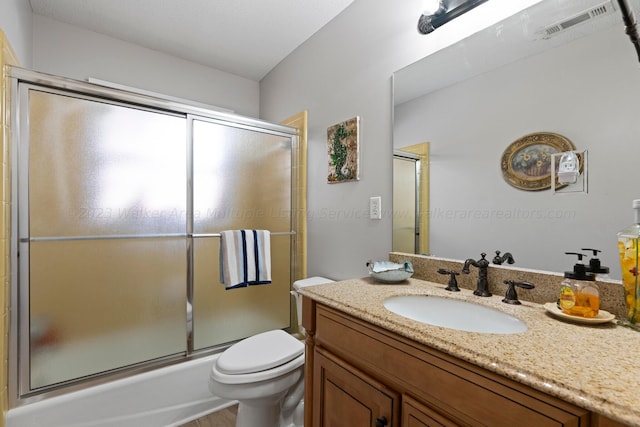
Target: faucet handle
[511,297]
[452,286]
[498,260]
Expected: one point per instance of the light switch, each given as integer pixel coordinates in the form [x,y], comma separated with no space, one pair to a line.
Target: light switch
[375,207]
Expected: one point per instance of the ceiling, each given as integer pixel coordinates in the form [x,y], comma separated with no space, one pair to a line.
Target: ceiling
[247,38]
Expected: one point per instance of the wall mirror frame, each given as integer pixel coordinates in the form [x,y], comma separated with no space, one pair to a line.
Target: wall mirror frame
[522,75]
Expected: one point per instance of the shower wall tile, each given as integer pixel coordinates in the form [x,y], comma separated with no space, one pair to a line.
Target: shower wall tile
[7,57]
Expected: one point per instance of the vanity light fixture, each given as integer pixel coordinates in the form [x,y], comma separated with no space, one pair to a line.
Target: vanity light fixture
[438,12]
[631,25]
[431,7]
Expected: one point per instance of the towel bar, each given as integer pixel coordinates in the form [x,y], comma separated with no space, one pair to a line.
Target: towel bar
[110,237]
[275,233]
[132,236]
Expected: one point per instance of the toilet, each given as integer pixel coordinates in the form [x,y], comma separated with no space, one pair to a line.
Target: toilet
[265,374]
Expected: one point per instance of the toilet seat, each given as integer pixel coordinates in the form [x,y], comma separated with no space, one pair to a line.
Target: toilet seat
[258,358]
[260,352]
[269,374]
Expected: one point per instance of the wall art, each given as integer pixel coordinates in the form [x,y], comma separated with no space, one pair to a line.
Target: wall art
[526,163]
[343,148]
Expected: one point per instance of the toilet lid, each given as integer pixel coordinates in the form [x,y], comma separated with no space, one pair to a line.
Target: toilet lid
[259,352]
[310,281]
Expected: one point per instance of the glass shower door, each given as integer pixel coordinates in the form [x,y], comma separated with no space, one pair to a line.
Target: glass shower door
[242,179]
[102,236]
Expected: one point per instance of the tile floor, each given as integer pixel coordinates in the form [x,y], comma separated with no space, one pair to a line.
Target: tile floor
[223,418]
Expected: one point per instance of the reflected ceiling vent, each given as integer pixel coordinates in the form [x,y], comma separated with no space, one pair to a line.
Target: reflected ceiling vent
[597,11]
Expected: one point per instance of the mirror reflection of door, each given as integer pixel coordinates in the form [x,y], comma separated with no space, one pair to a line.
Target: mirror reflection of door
[411,199]
[406,185]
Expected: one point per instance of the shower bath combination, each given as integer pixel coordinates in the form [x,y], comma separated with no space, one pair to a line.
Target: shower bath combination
[118,204]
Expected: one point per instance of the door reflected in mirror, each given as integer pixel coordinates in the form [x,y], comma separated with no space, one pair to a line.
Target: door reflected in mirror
[411,199]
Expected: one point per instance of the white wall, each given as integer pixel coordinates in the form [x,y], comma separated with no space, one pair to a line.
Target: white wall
[345,70]
[16,22]
[70,51]
[587,91]
[52,47]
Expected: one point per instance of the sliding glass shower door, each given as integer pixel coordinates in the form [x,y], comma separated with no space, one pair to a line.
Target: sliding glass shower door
[244,184]
[106,235]
[120,203]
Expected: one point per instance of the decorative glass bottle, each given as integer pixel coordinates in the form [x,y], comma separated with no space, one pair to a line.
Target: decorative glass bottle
[628,247]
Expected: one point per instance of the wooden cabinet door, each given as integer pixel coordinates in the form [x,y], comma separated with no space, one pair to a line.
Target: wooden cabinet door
[415,414]
[346,397]
[459,390]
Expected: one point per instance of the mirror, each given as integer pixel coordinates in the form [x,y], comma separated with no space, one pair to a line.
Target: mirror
[549,69]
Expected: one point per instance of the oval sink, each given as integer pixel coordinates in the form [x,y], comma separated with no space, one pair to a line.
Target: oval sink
[454,314]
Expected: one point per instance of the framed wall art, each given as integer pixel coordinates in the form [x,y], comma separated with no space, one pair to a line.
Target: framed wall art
[526,163]
[343,148]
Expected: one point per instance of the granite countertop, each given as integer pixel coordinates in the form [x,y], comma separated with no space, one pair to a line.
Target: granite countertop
[594,366]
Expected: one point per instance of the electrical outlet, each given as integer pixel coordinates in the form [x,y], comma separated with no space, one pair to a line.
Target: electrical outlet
[375,207]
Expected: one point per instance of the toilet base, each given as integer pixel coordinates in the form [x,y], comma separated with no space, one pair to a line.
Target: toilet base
[265,414]
[295,418]
[251,416]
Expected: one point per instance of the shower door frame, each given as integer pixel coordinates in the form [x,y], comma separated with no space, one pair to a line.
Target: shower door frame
[20,391]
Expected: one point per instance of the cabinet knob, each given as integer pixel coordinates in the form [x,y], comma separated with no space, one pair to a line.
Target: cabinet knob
[381,422]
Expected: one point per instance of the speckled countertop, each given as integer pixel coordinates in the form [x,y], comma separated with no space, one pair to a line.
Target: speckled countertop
[596,367]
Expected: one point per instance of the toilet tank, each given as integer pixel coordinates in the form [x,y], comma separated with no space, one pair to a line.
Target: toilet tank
[298,284]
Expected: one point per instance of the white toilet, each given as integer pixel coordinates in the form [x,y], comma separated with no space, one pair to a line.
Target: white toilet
[265,374]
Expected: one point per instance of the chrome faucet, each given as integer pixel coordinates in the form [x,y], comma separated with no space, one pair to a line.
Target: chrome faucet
[482,289]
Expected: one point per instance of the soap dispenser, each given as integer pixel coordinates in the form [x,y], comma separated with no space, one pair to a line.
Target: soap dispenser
[579,293]
[628,241]
[595,266]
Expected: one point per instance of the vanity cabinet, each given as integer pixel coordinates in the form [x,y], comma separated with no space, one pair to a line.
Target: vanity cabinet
[359,374]
[415,414]
[349,397]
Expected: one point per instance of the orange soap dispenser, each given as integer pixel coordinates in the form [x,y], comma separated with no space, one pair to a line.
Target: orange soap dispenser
[579,293]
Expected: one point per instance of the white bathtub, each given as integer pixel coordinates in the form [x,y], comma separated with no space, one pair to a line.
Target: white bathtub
[165,397]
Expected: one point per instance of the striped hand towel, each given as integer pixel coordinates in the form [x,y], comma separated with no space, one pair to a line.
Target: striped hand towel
[245,258]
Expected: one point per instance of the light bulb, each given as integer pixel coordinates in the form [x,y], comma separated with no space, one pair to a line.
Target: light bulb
[430,7]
